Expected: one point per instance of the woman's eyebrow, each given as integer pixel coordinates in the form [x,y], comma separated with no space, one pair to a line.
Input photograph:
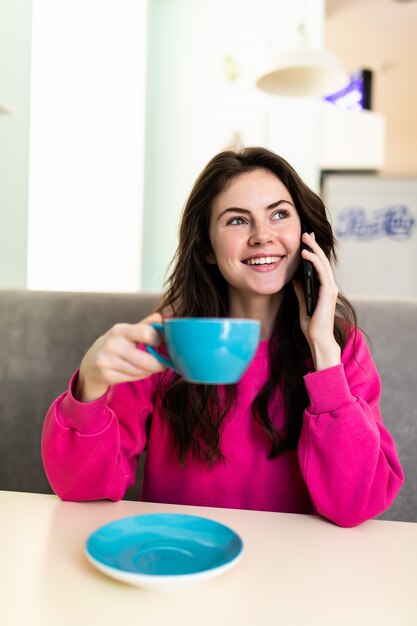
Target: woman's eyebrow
[235,209]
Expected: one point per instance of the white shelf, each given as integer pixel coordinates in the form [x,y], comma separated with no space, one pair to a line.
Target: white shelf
[351,140]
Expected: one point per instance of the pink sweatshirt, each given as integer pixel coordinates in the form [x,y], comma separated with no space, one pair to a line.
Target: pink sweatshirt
[346,467]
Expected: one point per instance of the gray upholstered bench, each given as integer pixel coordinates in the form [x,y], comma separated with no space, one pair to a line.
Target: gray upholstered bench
[44,335]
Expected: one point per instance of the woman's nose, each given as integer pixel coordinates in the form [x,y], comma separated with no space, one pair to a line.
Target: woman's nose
[260,235]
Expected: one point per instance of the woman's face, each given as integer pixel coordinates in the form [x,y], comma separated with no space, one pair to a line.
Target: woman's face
[255,234]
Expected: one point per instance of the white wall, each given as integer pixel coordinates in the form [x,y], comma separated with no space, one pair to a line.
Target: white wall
[87,173]
[193,110]
[15,29]
[86,144]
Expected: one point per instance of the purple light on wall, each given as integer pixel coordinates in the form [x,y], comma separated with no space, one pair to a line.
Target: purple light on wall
[356,96]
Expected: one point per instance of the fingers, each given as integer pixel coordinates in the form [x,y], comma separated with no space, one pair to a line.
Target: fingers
[131,360]
[310,241]
[320,262]
[125,368]
[141,332]
[114,357]
[122,341]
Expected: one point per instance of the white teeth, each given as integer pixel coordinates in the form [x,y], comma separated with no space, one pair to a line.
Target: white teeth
[264,260]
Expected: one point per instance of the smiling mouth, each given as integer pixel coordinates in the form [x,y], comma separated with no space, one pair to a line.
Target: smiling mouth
[263,260]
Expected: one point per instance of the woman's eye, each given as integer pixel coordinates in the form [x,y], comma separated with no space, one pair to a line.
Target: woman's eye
[235,221]
[280,215]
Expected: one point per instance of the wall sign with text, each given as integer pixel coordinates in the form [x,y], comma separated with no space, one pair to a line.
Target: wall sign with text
[396,222]
[374,219]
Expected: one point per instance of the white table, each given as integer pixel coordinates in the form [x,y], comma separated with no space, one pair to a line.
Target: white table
[296,570]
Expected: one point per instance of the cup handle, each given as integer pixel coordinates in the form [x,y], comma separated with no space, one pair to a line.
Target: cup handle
[159,357]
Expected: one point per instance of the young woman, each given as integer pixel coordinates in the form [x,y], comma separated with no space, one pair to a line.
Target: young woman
[301,432]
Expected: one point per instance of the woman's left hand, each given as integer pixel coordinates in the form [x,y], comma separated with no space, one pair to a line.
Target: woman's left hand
[318,329]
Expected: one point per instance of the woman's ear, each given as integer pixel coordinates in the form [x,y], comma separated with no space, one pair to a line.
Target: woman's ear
[210,258]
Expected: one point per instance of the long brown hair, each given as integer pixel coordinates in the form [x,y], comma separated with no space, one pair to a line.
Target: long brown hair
[195,288]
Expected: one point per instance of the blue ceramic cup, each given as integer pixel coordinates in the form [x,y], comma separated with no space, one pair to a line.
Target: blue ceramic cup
[211,351]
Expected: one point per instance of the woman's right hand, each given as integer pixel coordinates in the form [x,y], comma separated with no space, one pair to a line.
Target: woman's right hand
[114,358]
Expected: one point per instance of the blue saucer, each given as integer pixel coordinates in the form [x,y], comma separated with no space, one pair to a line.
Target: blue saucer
[163,550]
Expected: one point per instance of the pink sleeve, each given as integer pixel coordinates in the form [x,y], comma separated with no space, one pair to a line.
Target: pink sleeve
[90,450]
[347,457]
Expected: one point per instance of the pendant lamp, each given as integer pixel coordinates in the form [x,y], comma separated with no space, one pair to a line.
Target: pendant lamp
[304,71]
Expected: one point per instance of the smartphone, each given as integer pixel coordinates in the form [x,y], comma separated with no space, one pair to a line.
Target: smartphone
[309,285]
[309,281]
